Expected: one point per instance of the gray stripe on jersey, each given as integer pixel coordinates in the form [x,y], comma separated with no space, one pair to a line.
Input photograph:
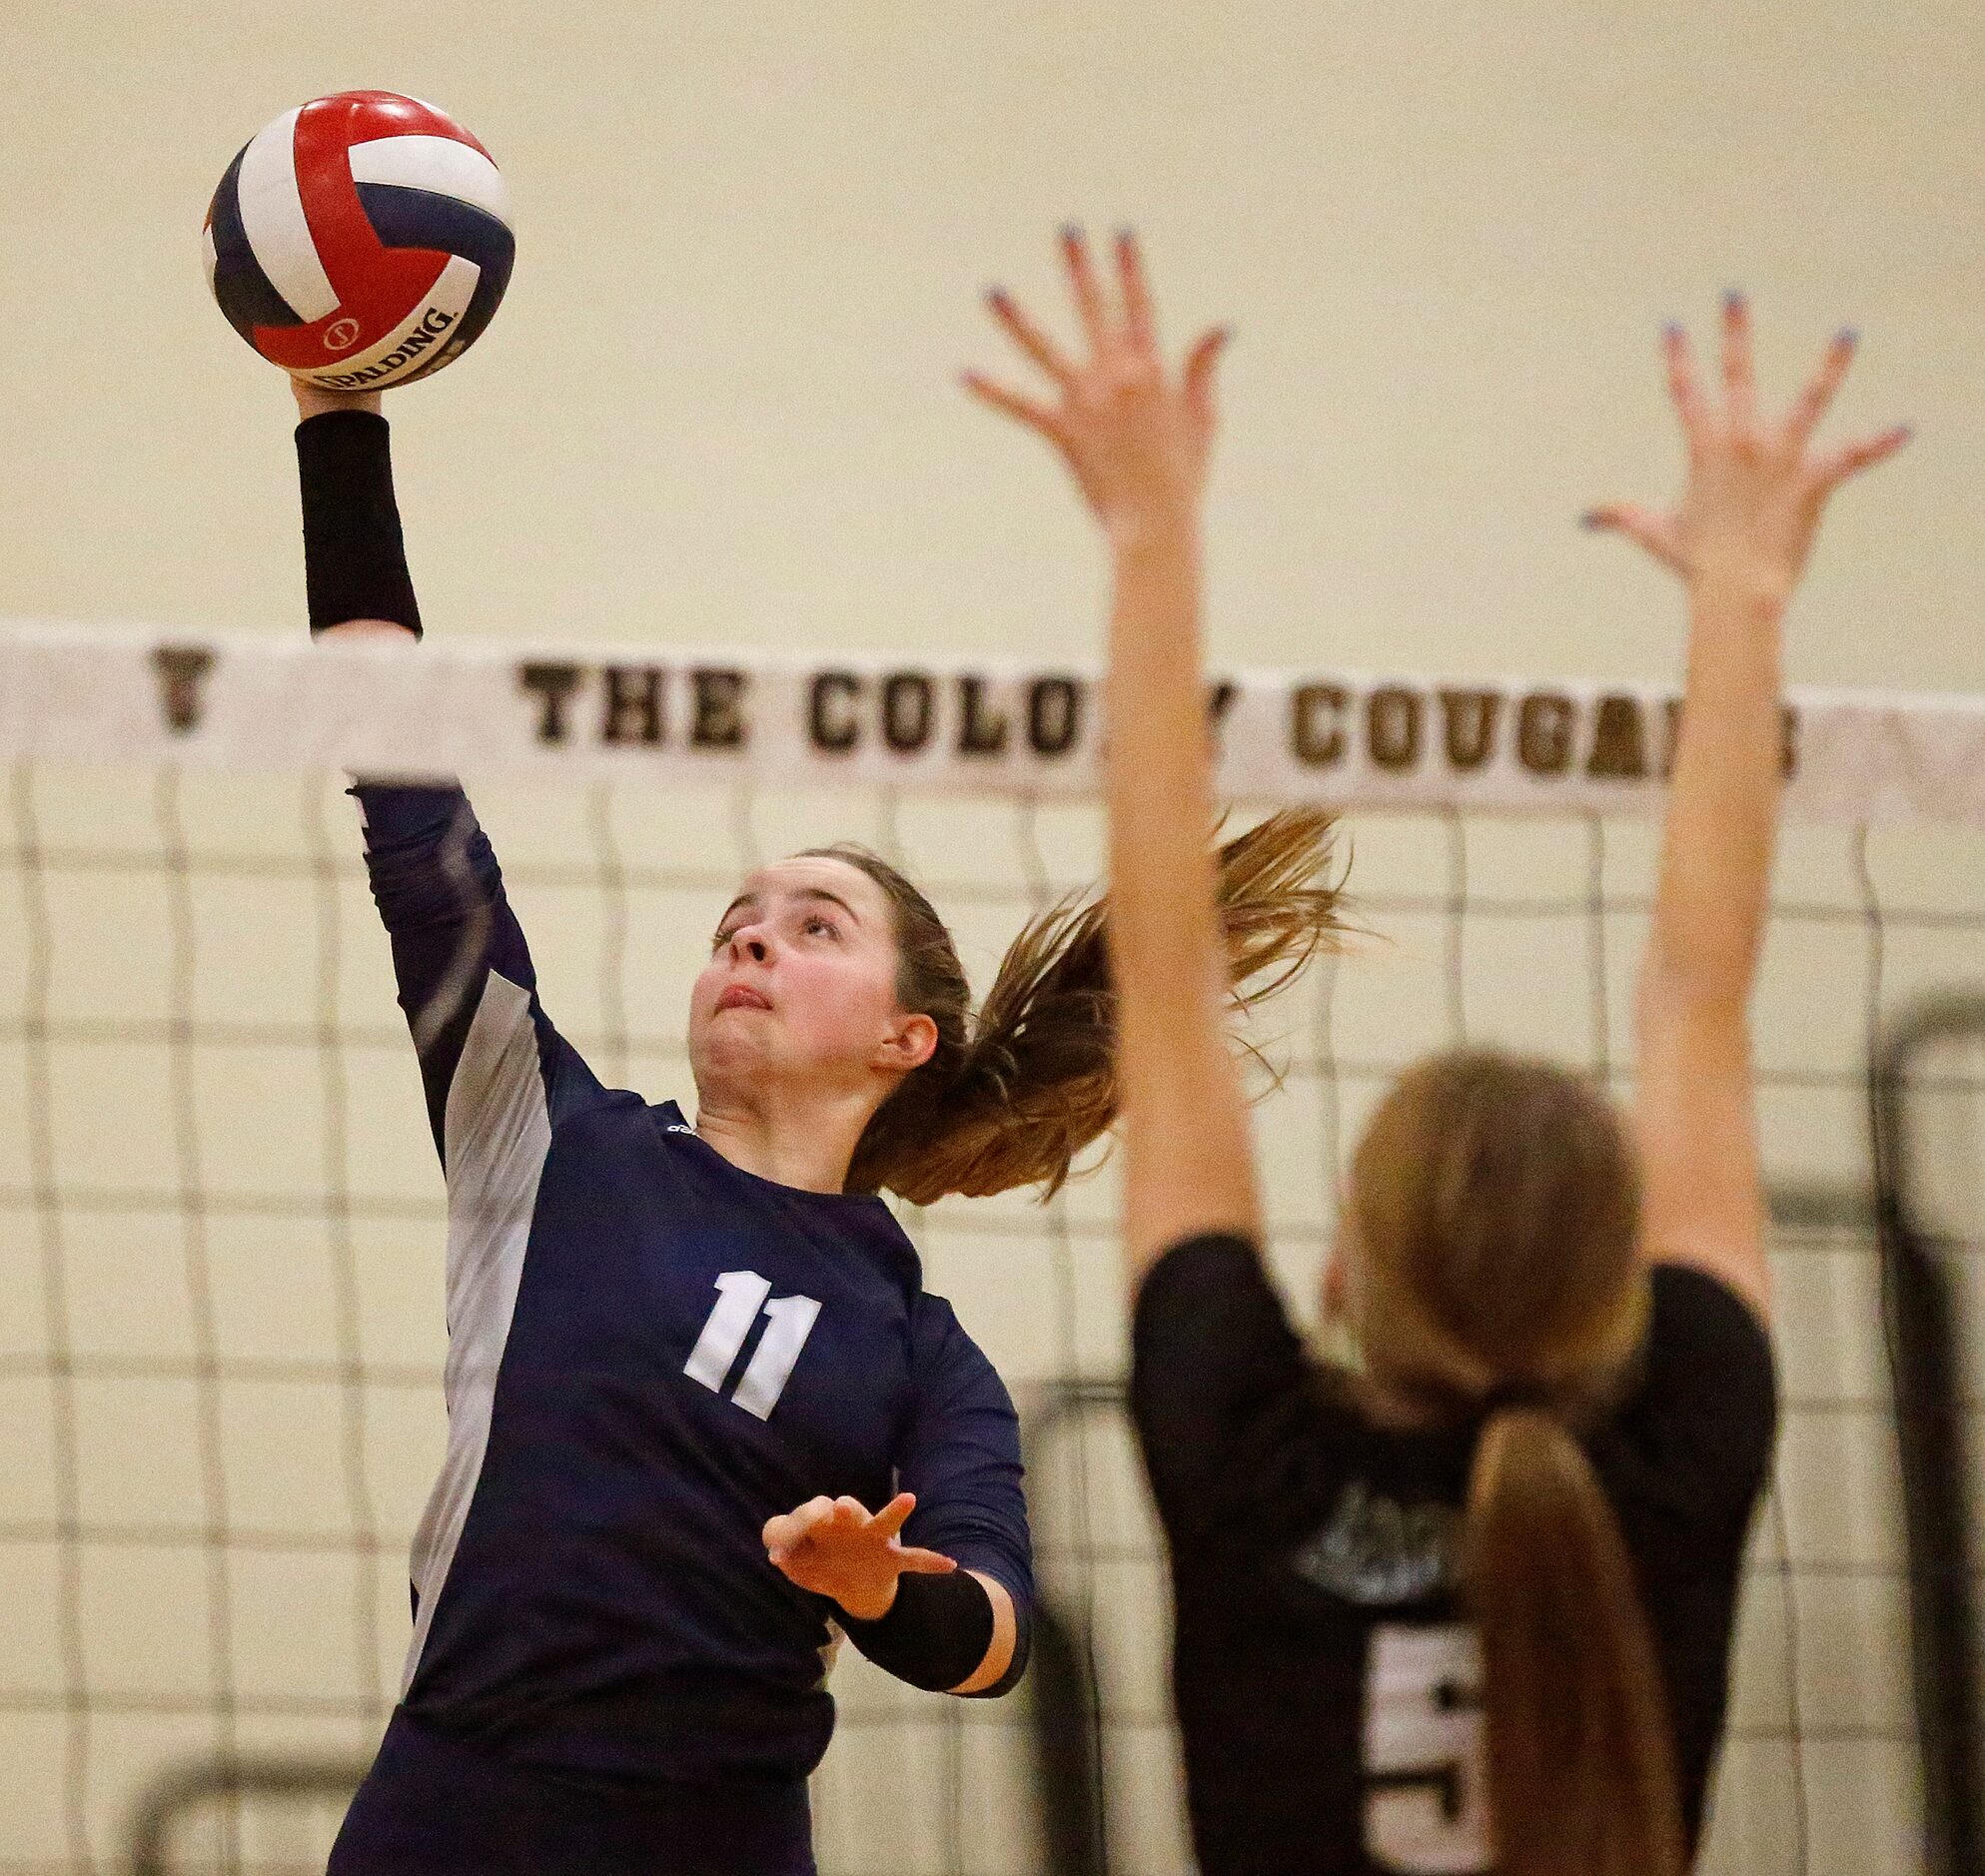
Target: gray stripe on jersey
[496,1134]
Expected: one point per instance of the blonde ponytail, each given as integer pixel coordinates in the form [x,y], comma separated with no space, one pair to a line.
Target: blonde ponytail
[1581,1776]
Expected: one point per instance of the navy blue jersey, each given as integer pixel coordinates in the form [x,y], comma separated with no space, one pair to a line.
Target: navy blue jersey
[650,1352]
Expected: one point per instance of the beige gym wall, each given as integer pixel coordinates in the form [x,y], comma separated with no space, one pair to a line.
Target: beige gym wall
[720,408]
[719,405]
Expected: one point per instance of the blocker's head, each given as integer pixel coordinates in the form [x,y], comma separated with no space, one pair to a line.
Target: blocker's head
[830,973]
[1490,1237]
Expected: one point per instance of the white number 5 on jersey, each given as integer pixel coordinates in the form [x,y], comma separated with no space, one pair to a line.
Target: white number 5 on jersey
[1425,1807]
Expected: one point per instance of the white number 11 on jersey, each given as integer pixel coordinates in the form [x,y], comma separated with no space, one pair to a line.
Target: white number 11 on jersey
[789,1320]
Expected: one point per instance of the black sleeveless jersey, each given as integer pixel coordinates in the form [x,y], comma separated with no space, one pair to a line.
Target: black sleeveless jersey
[1328,1688]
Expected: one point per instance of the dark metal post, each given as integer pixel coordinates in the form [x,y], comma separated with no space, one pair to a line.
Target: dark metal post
[179,1792]
[1926,1358]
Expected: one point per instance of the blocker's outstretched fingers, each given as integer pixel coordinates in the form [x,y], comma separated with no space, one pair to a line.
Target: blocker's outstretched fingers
[1755,492]
[1856,456]
[1028,337]
[1739,370]
[1201,368]
[1036,415]
[1088,289]
[1655,532]
[1140,315]
[1134,435]
[1685,387]
[1817,397]
[924,1563]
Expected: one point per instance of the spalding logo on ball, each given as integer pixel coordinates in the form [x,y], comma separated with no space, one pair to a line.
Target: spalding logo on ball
[360,241]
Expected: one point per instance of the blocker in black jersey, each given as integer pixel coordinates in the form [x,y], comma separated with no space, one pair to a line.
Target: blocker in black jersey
[1326,1681]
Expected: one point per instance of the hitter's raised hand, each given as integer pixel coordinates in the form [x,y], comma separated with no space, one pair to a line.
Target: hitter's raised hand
[1135,437]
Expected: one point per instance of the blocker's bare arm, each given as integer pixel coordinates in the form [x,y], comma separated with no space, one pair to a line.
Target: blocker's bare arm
[1739,541]
[1136,437]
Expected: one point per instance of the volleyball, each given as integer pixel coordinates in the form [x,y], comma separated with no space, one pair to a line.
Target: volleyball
[360,241]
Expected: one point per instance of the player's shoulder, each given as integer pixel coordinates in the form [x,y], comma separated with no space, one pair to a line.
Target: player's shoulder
[1692,1441]
[1705,1334]
[1695,1300]
[935,1331]
[946,1359]
[585,1112]
[1209,1322]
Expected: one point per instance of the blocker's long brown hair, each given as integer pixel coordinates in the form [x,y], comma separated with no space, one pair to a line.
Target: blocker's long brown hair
[1011,1096]
[1494,1205]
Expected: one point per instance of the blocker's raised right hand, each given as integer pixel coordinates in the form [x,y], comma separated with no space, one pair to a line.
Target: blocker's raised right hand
[1757,486]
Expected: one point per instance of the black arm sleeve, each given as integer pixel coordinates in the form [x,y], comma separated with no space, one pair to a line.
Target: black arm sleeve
[960,1454]
[936,1633]
[355,559]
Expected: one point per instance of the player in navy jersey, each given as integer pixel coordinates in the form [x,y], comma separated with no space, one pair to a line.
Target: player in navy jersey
[1470,1609]
[703,1413]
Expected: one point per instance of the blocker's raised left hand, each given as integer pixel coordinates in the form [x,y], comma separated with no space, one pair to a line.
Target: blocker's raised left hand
[1135,437]
[837,1547]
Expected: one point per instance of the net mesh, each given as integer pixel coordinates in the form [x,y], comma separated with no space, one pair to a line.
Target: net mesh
[221,1330]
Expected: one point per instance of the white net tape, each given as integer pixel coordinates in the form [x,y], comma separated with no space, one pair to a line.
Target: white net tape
[931,726]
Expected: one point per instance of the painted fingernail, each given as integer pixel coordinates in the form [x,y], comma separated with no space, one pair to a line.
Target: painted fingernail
[1733,299]
[1590,520]
[1847,336]
[1071,233]
[995,296]
[1671,329]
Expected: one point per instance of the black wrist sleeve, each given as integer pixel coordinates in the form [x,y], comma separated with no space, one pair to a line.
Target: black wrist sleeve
[936,1632]
[355,563]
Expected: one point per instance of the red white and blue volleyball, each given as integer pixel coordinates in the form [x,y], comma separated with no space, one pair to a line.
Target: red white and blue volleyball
[360,241]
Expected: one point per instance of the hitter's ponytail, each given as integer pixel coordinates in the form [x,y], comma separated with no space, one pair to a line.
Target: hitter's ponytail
[1011,1096]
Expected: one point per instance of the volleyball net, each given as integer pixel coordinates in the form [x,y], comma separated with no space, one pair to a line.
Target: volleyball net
[221,1222]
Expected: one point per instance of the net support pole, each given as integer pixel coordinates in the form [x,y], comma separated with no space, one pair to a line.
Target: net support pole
[178,1795]
[1070,1775]
[1926,1361]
